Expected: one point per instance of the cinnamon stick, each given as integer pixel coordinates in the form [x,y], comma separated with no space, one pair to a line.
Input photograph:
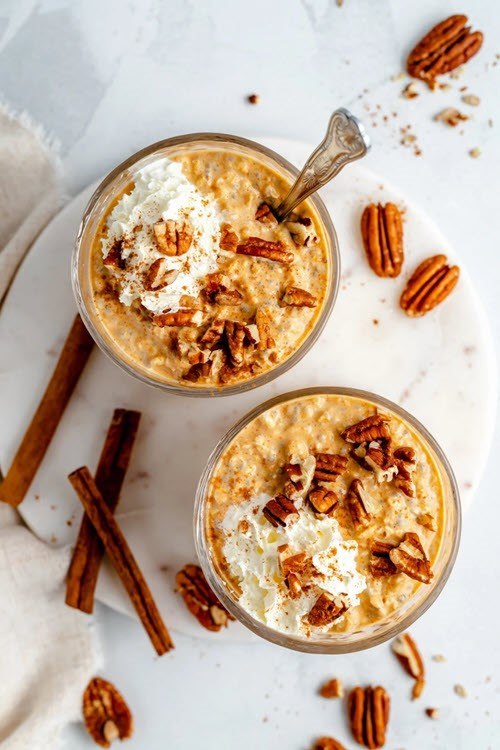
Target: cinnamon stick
[29,456]
[122,558]
[113,463]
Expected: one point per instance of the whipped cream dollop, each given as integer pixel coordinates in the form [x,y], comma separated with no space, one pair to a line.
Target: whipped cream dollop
[251,551]
[162,192]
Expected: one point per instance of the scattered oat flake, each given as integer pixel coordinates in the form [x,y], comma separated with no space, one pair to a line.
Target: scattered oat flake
[253,99]
[439,658]
[410,91]
[451,116]
[471,99]
[460,691]
[475,153]
[432,713]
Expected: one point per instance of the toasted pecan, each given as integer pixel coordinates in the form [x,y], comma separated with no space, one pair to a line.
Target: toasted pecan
[172,238]
[367,430]
[410,658]
[200,599]
[114,256]
[264,324]
[445,47]
[409,557]
[368,711]
[381,564]
[295,297]
[264,214]
[158,276]
[326,610]
[190,318]
[357,504]
[382,232]
[228,238]
[429,285]
[329,466]
[323,500]
[327,743]
[105,713]
[267,249]
[332,689]
[278,509]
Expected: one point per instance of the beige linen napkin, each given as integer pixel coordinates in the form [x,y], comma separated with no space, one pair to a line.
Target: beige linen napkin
[47,651]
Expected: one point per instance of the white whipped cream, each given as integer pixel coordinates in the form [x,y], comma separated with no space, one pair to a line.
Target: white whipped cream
[251,551]
[161,191]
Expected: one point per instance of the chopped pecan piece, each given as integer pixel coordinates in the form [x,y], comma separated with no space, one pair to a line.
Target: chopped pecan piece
[409,557]
[380,561]
[427,521]
[114,257]
[406,650]
[295,297]
[217,292]
[301,230]
[293,585]
[267,249]
[382,232]
[158,276]
[404,459]
[264,325]
[368,710]
[200,599]
[332,689]
[451,117]
[229,372]
[172,238]
[191,318]
[327,743]
[106,715]
[323,500]
[445,47]
[430,284]
[369,429]
[377,457]
[432,713]
[300,474]
[298,563]
[357,504]
[265,215]
[228,239]
[198,371]
[278,509]
[213,334]
[325,610]
[329,466]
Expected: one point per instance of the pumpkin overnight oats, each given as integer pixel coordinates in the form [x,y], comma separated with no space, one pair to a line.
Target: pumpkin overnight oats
[328,514]
[193,280]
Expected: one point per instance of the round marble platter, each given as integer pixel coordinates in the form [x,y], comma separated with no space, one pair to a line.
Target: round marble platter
[440,367]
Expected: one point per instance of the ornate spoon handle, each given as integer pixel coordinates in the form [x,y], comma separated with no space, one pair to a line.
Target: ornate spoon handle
[345,141]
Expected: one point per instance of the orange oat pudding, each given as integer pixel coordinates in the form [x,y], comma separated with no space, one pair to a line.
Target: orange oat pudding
[194,280]
[326,514]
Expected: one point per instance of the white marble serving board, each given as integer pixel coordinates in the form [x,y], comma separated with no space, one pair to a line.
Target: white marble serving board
[440,367]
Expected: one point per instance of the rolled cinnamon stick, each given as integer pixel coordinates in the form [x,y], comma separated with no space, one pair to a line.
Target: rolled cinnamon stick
[29,456]
[122,558]
[113,463]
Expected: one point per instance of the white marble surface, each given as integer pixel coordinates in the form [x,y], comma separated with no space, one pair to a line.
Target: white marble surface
[107,77]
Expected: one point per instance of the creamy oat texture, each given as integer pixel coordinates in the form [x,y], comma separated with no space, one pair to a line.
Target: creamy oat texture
[208,190]
[245,554]
[162,192]
[251,548]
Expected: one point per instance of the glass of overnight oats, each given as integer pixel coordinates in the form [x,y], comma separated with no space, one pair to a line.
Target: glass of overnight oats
[185,278]
[327,520]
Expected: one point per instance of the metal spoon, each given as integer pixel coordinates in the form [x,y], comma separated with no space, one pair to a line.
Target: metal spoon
[345,141]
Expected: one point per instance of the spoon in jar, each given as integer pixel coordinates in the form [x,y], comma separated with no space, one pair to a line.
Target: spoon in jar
[345,141]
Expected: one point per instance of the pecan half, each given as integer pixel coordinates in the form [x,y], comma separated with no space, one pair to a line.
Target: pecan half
[428,286]
[264,214]
[381,564]
[105,713]
[278,509]
[114,257]
[158,276]
[263,322]
[357,504]
[325,610]
[295,297]
[446,46]
[332,689]
[382,232]
[323,500]
[368,710]
[409,557]
[200,599]
[228,239]
[327,743]
[406,650]
[367,430]
[217,292]
[329,466]
[404,459]
[267,249]
[191,318]
[172,238]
